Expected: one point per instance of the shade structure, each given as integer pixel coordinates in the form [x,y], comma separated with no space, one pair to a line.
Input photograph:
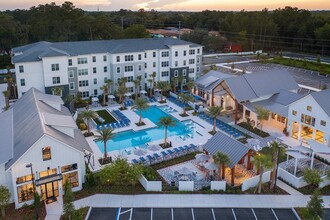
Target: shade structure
[143,92]
[94,99]
[202,157]
[111,97]
[210,166]
[184,171]
[157,90]
[128,94]
[297,155]
[140,152]
[154,147]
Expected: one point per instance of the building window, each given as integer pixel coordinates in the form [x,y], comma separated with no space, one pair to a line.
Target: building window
[130,89]
[47,172]
[198,59]
[184,81]
[184,53]
[24,179]
[70,62]
[85,94]
[22,82]
[83,60]
[128,68]
[165,54]
[46,154]
[71,74]
[25,192]
[165,73]
[176,73]
[153,54]
[21,68]
[55,67]
[145,65]
[94,59]
[95,92]
[176,63]
[130,79]
[294,112]
[56,80]
[82,72]
[323,123]
[191,70]
[128,58]
[165,64]
[140,67]
[71,85]
[191,52]
[176,53]
[118,69]
[309,108]
[184,72]
[154,64]
[139,57]
[104,58]
[68,168]
[191,61]
[184,62]
[105,69]
[83,83]
[145,75]
[118,58]
[145,55]
[71,178]
[198,51]
[95,81]
[198,69]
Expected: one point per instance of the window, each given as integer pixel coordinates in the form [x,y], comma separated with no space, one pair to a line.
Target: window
[68,168]
[70,62]
[21,68]
[130,89]
[145,66]
[145,75]
[71,85]
[294,112]
[105,69]
[176,73]
[22,82]
[154,64]
[95,81]
[198,51]
[104,58]
[71,74]
[191,70]
[47,172]
[130,79]
[25,192]
[176,53]
[191,61]
[128,58]
[140,67]
[191,52]
[323,123]
[83,83]
[198,59]
[184,72]
[273,115]
[46,154]
[309,108]
[184,53]
[153,54]
[184,62]
[85,94]
[24,179]
[165,54]
[83,60]
[56,80]
[184,81]
[94,69]
[94,59]
[71,178]
[128,68]
[165,64]
[55,67]
[118,69]
[118,80]
[139,57]
[198,69]
[95,92]
[165,73]
[145,55]
[118,58]
[176,63]
[82,72]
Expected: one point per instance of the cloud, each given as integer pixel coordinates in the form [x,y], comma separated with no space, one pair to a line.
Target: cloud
[162,4]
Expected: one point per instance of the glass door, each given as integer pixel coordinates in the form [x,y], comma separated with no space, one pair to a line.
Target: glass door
[49,190]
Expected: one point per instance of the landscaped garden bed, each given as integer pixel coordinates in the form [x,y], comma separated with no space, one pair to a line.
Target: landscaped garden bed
[255,130]
[106,117]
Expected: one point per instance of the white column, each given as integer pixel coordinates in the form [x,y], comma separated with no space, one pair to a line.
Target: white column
[299,131]
[295,167]
[256,120]
[312,160]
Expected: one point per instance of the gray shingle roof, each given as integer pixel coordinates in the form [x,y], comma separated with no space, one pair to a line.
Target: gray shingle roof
[232,148]
[323,99]
[34,52]
[29,125]
[6,136]
[211,79]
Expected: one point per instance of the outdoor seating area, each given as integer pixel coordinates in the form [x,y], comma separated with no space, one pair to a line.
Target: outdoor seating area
[128,102]
[176,101]
[222,126]
[297,167]
[240,175]
[122,121]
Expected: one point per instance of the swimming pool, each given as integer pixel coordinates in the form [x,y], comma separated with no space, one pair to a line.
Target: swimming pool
[131,138]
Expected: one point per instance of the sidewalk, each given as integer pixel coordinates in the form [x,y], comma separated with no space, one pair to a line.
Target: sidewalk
[287,188]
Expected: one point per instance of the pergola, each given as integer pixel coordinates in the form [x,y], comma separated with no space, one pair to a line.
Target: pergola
[297,155]
[317,148]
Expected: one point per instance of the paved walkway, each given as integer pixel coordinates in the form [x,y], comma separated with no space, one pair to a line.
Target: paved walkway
[189,200]
[287,188]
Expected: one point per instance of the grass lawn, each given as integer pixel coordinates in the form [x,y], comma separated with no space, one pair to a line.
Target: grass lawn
[106,116]
[319,67]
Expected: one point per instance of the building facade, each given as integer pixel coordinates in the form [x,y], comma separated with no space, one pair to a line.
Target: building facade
[84,66]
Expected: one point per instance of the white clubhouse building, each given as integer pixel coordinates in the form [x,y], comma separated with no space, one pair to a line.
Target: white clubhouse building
[84,66]
[39,137]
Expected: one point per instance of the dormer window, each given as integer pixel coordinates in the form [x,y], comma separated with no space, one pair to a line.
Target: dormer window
[309,108]
[46,153]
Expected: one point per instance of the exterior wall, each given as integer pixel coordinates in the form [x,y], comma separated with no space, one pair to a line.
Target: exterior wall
[5,180]
[61,155]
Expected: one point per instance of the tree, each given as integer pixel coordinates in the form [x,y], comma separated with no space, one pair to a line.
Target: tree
[140,104]
[109,82]
[261,162]
[214,112]
[153,76]
[68,206]
[136,31]
[190,85]
[163,86]
[150,90]
[314,209]
[9,80]
[185,97]
[37,204]
[105,134]
[312,177]
[5,94]
[180,81]
[121,90]
[57,91]
[134,173]
[222,160]
[174,81]
[166,121]
[88,115]
[276,150]
[4,199]
[116,173]
[262,114]
[137,83]
[104,88]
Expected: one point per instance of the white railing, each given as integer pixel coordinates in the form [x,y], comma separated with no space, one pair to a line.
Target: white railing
[218,185]
[297,182]
[186,185]
[155,186]
[253,181]
[230,54]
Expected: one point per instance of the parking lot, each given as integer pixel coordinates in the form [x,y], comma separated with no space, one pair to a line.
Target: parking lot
[193,214]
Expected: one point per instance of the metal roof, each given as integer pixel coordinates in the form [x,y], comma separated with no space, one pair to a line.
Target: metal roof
[211,79]
[6,136]
[35,51]
[234,149]
[323,99]
[240,88]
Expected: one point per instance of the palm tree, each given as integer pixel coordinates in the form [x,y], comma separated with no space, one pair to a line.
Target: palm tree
[222,160]
[104,88]
[137,82]
[185,98]
[261,162]
[190,85]
[109,83]
[5,94]
[88,115]
[180,80]
[105,134]
[121,90]
[163,86]
[173,83]
[140,104]
[166,121]
[150,90]
[262,114]
[153,76]
[276,150]
[57,91]
[214,112]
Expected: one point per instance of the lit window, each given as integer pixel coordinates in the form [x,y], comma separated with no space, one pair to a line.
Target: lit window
[309,108]
[294,112]
[71,178]
[46,154]
[24,179]
[68,168]
[25,192]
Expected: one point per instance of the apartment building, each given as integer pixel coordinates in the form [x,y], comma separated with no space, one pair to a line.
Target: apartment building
[84,66]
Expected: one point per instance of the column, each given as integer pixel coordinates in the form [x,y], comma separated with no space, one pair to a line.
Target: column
[233,176]
[256,120]
[299,132]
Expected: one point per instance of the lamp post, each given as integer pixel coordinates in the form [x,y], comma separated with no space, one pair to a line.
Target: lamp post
[33,186]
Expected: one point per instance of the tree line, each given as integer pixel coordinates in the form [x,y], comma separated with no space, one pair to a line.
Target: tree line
[287,28]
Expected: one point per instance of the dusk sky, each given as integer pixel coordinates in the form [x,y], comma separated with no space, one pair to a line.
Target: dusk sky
[179,5]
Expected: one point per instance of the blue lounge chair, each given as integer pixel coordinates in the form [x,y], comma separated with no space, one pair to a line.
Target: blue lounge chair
[135,161]
[150,157]
[156,156]
[164,153]
[170,151]
[142,160]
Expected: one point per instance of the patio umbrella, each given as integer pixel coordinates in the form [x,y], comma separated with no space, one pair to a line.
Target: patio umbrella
[154,147]
[202,157]
[143,92]
[140,152]
[210,166]
[184,171]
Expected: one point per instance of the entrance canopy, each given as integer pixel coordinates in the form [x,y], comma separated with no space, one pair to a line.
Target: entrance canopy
[48,179]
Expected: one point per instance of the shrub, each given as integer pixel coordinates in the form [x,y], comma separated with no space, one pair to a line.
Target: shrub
[312,177]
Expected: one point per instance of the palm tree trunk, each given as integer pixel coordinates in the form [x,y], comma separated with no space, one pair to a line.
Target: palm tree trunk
[214,125]
[184,108]
[223,171]
[140,120]
[7,101]
[105,150]
[272,183]
[165,140]
[220,171]
[260,179]
[88,128]
[104,97]
[14,88]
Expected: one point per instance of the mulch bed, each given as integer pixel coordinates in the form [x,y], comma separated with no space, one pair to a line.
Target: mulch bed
[140,124]
[86,134]
[184,115]
[23,213]
[165,146]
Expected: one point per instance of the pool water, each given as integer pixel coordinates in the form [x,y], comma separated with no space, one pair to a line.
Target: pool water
[167,109]
[126,139]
